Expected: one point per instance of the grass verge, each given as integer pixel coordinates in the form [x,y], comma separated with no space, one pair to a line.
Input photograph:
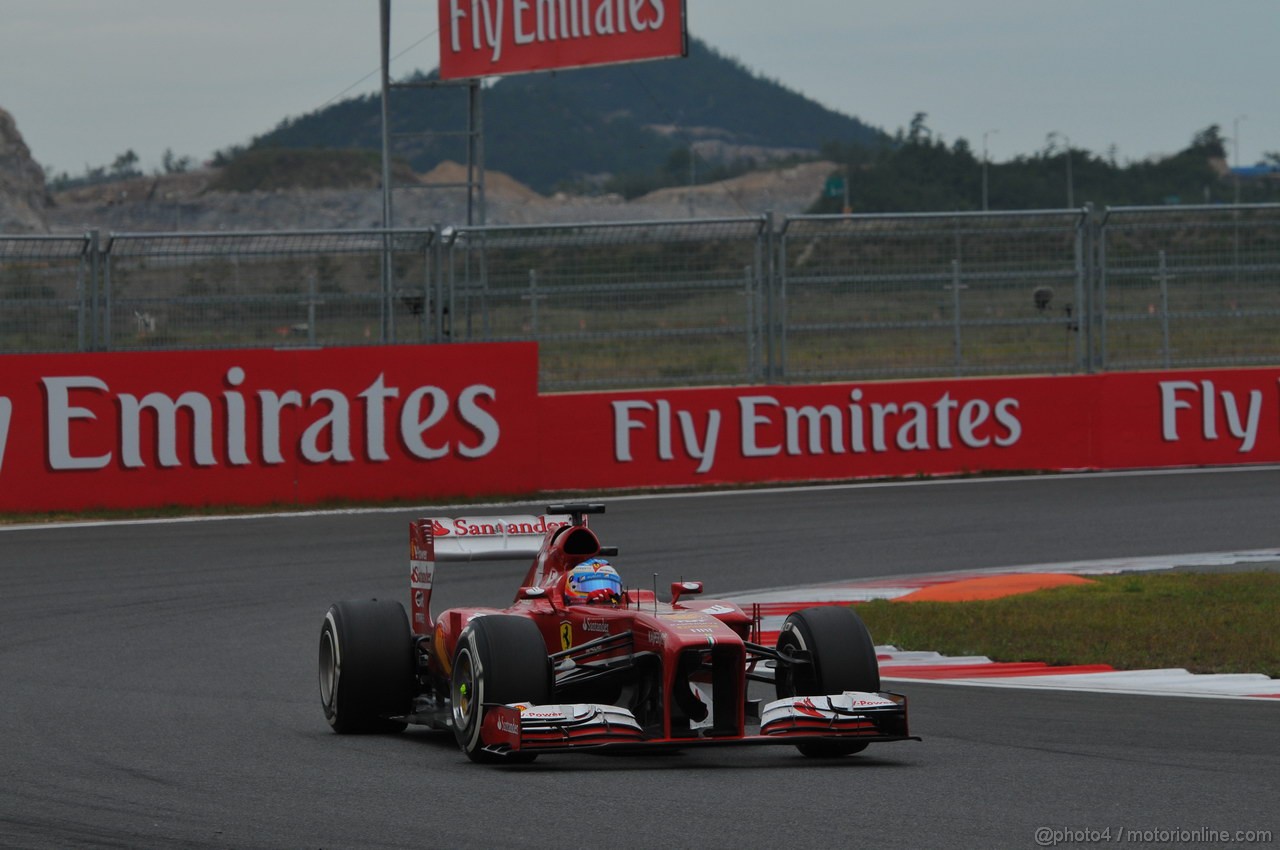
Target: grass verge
[1204,622]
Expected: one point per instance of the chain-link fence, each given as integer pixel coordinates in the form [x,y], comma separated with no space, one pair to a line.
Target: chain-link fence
[1189,286]
[633,304]
[45,292]
[926,294]
[697,301]
[218,290]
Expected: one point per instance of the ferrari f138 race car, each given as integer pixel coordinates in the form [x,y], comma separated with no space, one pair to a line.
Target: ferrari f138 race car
[580,662]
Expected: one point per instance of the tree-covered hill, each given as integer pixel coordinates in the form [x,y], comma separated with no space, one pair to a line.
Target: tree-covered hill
[918,171]
[550,130]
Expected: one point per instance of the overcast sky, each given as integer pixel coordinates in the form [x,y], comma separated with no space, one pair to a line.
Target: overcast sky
[88,79]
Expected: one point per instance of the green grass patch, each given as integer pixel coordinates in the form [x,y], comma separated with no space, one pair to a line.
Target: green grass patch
[1204,622]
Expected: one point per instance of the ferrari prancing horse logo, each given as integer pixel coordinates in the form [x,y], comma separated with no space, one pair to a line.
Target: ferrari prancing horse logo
[566,635]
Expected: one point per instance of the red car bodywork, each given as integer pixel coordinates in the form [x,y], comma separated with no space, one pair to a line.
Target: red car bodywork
[641,672]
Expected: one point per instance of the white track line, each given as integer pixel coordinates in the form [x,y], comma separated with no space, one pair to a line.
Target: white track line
[642,497]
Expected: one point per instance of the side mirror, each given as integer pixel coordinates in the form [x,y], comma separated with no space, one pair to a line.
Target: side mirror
[531,593]
[680,588]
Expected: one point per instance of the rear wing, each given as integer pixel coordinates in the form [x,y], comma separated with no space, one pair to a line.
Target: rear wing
[485,538]
[480,538]
[436,539]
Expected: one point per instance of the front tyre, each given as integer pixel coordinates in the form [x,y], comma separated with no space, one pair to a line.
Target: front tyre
[366,666]
[500,660]
[840,656]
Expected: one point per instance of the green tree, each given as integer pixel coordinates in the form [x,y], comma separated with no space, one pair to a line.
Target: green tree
[1209,142]
[174,164]
[125,165]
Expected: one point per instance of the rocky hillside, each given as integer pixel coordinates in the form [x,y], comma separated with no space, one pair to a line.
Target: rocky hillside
[23,199]
[189,202]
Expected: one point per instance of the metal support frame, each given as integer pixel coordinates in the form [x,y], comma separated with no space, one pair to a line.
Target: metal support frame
[386,330]
[476,212]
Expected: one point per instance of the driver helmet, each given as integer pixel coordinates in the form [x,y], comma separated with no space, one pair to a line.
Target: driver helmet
[593,581]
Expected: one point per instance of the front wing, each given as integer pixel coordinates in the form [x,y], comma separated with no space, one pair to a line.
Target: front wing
[852,715]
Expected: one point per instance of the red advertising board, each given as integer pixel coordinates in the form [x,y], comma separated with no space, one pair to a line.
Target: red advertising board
[480,38]
[1188,418]
[265,426]
[691,437]
[828,431]
[431,423]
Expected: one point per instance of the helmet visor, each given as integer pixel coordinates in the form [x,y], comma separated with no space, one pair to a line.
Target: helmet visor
[585,584]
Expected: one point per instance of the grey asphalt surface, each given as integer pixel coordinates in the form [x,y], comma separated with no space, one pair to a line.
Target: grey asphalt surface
[158,686]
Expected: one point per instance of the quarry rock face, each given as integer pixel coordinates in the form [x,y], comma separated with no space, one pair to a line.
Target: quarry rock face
[23,198]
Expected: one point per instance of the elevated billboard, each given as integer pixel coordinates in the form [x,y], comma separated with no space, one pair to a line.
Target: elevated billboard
[482,38]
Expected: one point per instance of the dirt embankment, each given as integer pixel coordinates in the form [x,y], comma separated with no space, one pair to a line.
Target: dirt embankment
[186,202]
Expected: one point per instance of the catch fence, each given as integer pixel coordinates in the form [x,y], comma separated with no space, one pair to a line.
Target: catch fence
[47,284]
[1189,286]
[689,302]
[633,304]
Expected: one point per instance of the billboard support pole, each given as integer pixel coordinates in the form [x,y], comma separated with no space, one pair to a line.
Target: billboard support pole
[386,168]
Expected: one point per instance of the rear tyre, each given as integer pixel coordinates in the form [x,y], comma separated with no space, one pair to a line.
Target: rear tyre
[843,659]
[366,666]
[500,659]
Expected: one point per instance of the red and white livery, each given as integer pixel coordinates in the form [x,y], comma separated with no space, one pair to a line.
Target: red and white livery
[554,673]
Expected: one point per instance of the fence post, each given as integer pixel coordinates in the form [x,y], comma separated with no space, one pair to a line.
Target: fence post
[105,340]
[425,325]
[311,309]
[384,305]
[1102,290]
[436,288]
[451,307]
[89,300]
[1083,312]
[533,302]
[748,294]
[1164,310]
[775,301]
[955,312]
[1089,307]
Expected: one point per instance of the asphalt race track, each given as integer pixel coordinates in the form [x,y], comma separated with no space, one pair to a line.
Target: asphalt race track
[158,686]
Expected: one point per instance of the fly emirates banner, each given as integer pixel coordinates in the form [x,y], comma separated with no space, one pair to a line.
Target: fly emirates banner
[431,423]
[258,427]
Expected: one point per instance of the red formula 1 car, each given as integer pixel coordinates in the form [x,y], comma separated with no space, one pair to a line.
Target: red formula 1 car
[578,662]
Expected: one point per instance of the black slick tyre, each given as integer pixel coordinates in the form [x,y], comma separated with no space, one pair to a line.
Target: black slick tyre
[499,659]
[842,657]
[366,666]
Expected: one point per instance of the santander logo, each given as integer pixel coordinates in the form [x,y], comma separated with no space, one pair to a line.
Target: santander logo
[496,526]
